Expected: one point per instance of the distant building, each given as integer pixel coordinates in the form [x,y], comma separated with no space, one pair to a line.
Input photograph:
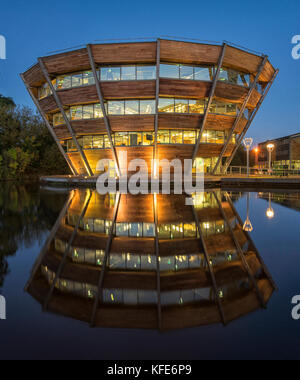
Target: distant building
[286,154]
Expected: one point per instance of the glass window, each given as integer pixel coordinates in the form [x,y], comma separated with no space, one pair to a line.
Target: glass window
[146,72]
[148,262]
[220,137]
[231,109]
[98,223]
[58,119]
[87,142]
[186,72]
[132,107]
[163,137]
[77,80]
[122,229]
[98,142]
[148,138]
[88,112]
[116,107]
[197,106]
[189,137]
[64,82]
[88,78]
[147,107]
[190,230]
[149,230]
[203,73]
[220,108]
[176,231]
[211,137]
[128,73]
[176,137]
[166,105]
[136,229]
[169,71]
[76,112]
[121,139]
[71,146]
[90,256]
[135,138]
[167,263]
[181,106]
[106,142]
[164,231]
[97,111]
[117,261]
[110,73]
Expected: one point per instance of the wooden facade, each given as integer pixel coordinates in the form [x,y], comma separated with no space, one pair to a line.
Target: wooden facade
[146,53]
[180,283]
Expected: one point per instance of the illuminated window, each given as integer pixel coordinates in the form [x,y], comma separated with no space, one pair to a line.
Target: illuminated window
[189,137]
[181,106]
[58,119]
[77,80]
[122,229]
[71,146]
[197,106]
[148,138]
[97,111]
[163,137]
[121,139]
[88,112]
[76,113]
[88,78]
[166,105]
[87,142]
[148,229]
[63,82]
[135,138]
[136,229]
[190,230]
[110,73]
[176,137]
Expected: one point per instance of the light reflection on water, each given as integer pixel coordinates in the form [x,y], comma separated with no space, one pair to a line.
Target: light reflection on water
[102,267]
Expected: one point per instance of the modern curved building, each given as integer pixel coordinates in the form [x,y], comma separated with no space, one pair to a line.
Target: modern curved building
[161,99]
[150,262]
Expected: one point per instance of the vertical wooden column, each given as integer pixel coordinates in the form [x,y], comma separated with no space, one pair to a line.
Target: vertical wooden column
[210,99]
[98,297]
[241,112]
[101,99]
[67,121]
[68,248]
[155,155]
[50,128]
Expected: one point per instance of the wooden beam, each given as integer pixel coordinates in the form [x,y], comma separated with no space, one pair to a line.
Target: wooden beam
[48,125]
[101,99]
[240,252]
[67,121]
[209,265]
[240,115]
[98,297]
[265,269]
[210,99]
[156,106]
[49,239]
[253,114]
[157,255]
[68,248]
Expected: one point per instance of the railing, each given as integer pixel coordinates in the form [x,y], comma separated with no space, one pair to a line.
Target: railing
[242,170]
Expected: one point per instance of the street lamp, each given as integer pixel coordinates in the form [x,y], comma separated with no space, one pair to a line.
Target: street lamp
[270,148]
[248,143]
[247,225]
[270,213]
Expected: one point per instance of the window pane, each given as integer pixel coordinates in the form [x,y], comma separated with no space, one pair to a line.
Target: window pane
[97,111]
[169,71]
[136,229]
[88,112]
[131,107]
[121,139]
[203,73]
[176,137]
[186,72]
[58,119]
[71,146]
[128,73]
[106,142]
[219,137]
[231,109]
[149,229]
[87,142]
[98,142]
[110,73]
[147,107]
[116,107]
[64,82]
[88,78]
[190,230]
[148,138]
[163,137]
[189,137]
[166,105]
[181,106]
[146,72]
[76,80]
[122,229]
[135,138]
[76,113]
[196,106]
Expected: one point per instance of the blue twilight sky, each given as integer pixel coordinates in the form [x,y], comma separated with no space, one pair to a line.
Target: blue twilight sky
[34,28]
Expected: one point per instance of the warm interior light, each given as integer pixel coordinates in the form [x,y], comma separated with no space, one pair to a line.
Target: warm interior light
[270,147]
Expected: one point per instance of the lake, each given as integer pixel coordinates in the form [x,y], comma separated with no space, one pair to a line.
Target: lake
[158,277]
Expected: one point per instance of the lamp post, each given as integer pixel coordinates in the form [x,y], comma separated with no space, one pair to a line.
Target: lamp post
[270,148]
[248,143]
[248,225]
[270,213]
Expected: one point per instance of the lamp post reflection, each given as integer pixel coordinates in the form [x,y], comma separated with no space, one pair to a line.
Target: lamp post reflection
[270,213]
[270,148]
[248,225]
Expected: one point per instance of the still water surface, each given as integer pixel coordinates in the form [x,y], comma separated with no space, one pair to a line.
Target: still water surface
[183,320]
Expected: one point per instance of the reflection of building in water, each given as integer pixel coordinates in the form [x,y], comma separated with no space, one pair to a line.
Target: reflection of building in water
[288,199]
[149,261]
